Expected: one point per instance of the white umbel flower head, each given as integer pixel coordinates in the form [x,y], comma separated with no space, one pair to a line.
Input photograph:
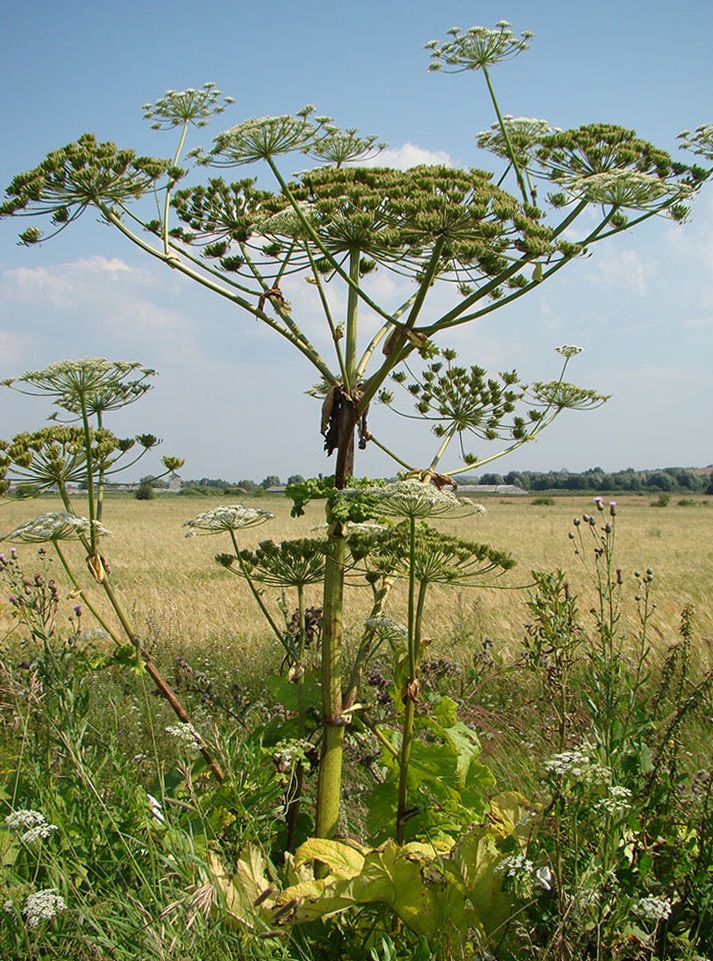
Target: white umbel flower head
[31,826]
[42,906]
[231,517]
[186,734]
[55,526]
[628,188]
[415,499]
[653,908]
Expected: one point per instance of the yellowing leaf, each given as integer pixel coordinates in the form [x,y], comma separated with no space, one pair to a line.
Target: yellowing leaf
[344,860]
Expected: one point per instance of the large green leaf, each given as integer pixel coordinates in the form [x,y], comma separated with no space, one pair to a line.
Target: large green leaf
[414,881]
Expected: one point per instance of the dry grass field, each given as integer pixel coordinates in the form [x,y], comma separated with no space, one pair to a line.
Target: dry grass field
[181,599]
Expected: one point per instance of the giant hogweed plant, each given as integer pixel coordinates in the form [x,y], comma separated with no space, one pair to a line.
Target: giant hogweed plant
[76,455]
[335,223]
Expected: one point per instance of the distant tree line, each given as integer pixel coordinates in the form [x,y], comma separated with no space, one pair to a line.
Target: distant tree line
[212,485]
[667,480]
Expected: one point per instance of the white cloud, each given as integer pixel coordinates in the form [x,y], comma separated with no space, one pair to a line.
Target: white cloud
[67,285]
[410,155]
[99,303]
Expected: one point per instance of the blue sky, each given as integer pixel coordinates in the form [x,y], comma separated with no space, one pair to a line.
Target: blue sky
[230,398]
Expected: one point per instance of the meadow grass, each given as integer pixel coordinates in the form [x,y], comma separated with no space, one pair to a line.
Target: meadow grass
[109,740]
[180,598]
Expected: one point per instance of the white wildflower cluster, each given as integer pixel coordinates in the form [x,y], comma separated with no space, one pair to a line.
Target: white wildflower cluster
[186,734]
[31,826]
[178,107]
[617,801]
[520,872]
[365,528]
[416,499]
[258,138]
[569,350]
[515,865]
[55,526]
[42,906]
[230,517]
[477,47]
[627,188]
[652,908]
[524,133]
[576,766]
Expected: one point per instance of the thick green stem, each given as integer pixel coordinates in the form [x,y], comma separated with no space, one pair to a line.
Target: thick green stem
[352,322]
[330,769]
[404,760]
[294,797]
[410,693]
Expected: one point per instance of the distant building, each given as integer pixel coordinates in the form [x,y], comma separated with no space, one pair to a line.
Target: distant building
[174,483]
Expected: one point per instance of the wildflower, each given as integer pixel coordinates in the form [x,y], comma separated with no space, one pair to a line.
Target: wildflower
[617,801]
[232,517]
[569,350]
[186,734]
[624,187]
[261,137]
[653,908]
[179,107]
[35,823]
[515,865]
[524,134]
[55,526]
[92,384]
[42,906]
[520,876]
[576,766]
[700,142]
[477,48]
[415,499]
